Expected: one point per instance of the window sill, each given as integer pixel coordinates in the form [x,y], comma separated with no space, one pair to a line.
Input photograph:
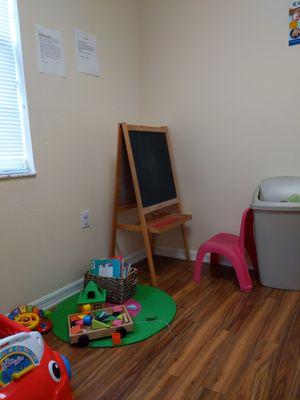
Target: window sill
[18,175]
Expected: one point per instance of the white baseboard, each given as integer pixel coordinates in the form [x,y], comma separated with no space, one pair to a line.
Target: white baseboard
[136,257]
[179,254]
[55,297]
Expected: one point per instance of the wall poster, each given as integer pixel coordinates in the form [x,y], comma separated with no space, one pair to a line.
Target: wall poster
[86,53]
[50,51]
[294,23]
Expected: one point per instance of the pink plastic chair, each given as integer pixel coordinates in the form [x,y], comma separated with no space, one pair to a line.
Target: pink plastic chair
[233,248]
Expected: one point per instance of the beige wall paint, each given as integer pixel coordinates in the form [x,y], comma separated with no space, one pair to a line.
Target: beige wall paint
[222,77]
[73,127]
[219,74]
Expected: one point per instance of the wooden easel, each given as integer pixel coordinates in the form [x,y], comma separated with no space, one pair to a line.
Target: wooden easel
[132,188]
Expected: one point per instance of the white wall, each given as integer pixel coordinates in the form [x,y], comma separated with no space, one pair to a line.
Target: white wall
[222,77]
[74,130]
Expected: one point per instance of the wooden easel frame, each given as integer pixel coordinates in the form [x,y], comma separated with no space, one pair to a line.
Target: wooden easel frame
[144,227]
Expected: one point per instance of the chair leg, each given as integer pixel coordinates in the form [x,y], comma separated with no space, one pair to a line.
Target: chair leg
[198,264]
[242,273]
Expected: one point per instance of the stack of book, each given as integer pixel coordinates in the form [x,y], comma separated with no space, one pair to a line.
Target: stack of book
[114,267]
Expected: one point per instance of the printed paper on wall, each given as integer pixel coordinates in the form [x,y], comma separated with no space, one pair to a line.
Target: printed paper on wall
[294,23]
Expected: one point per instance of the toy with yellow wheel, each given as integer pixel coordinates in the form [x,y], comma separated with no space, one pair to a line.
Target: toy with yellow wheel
[32,318]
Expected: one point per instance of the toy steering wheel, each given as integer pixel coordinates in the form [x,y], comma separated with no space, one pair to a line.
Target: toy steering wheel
[28,319]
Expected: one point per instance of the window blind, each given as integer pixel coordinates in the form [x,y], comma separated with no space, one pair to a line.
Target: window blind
[15,146]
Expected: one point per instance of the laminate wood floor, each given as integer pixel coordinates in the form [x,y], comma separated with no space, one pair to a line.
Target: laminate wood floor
[229,345]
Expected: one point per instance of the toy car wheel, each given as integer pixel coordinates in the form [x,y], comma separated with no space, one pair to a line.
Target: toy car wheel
[122,331]
[83,341]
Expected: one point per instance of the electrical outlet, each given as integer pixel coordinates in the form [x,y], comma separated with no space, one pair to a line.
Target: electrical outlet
[85,219]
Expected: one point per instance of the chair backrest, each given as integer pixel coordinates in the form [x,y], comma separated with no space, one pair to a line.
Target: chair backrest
[247,239]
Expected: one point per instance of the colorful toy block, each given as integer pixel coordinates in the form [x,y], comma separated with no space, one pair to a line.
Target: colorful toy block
[116,338]
[86,308]
[75,329]
[98,325]
[117,309]
[87,320]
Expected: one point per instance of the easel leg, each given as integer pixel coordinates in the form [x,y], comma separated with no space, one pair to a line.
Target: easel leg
[113,238]
[186,243]
[116,195]
[149,257]
[185,235]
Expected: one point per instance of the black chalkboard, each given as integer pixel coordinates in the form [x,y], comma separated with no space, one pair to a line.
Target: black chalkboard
[153,166]
[127,195]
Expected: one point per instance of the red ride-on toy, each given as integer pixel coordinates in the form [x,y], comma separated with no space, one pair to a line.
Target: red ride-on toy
[29,369]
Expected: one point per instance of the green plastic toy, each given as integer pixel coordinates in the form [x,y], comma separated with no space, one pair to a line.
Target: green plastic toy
[93,295]
[294,198]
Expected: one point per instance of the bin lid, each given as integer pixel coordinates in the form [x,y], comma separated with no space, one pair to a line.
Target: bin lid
[280,193]
[279,188]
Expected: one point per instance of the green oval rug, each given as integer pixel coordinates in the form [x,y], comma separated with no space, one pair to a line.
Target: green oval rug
[154,302]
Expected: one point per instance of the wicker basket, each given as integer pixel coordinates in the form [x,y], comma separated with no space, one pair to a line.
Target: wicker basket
[118,290]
